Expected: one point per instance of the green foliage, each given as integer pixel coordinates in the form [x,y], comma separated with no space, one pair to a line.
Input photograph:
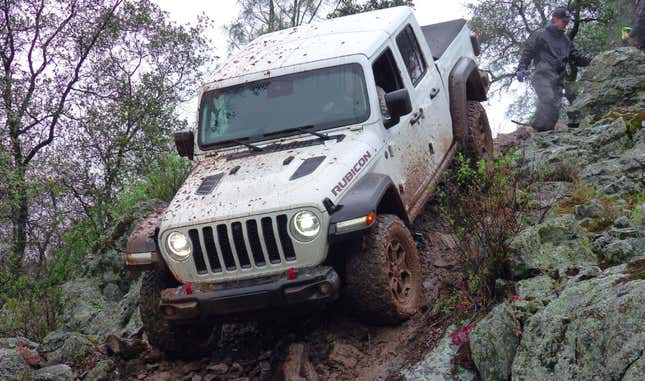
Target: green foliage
[39,293]
[162,181]
[481,203]
[350,7]
[30,306]
[103,110]
[258,17]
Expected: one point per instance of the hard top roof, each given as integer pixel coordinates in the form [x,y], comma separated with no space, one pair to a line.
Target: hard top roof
[362,33]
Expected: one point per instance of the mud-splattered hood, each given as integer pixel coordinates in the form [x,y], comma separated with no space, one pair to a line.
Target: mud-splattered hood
[237,184]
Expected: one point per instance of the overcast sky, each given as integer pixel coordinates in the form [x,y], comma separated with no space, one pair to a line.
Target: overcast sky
[222,12]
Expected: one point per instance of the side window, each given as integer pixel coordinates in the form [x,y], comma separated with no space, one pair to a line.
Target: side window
[411,53]
[387,78]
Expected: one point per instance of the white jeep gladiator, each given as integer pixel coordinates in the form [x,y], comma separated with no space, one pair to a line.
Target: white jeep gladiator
[315,148]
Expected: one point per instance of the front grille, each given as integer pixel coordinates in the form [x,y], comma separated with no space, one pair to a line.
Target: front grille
[238,245]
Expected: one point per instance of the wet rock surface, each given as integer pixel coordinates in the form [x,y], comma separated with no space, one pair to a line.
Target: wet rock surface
[574,316]
[594,329]
[440,364]
[494,341]
[614,78]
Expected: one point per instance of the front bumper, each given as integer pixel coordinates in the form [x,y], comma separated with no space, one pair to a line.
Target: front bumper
[311,286]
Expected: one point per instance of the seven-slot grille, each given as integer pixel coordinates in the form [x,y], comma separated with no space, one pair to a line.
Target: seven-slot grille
[245,244]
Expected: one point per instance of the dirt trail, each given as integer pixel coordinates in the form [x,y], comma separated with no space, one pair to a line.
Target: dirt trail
[339,346]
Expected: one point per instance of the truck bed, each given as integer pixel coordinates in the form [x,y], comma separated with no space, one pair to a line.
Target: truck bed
[439,36]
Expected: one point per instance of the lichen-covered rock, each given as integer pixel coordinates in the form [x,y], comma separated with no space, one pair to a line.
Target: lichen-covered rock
[595,329]
[552,247]
[615,78]
[622,242]
[438,365]
[606,155]
[540,288]
[13,365]
[591,209]
[104,370]
[67,347]
[59,372]
[86,310]
[493,343]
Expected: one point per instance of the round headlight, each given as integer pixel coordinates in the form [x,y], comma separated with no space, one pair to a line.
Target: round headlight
[305,226]
[179,245]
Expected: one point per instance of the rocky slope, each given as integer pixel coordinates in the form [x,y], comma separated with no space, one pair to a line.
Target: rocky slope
[577,310]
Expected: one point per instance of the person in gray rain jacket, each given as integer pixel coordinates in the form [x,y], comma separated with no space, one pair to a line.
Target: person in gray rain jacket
[637,34]
[550,50]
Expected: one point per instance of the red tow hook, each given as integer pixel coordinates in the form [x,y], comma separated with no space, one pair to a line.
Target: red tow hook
[292,273]
[189,288]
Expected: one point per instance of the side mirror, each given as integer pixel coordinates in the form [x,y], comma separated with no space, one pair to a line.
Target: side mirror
[185,142]
[398,104]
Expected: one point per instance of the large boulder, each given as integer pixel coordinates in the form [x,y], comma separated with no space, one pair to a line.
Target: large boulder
[554,247]
[615,78]
[493,343]
[88,311]
[595,329]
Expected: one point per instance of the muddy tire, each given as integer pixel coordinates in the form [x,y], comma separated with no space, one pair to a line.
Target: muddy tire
[383,280]
[479,139]
[178,340]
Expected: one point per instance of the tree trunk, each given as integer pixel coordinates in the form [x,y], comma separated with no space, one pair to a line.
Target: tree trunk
[272,26]
[19,203]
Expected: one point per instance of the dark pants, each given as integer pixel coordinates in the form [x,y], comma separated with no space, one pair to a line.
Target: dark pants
[549,88]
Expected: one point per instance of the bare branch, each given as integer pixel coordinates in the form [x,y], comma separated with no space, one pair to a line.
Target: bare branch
[61,103]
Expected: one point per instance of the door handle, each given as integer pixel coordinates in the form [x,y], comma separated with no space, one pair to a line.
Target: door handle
[433,92]
[417,116]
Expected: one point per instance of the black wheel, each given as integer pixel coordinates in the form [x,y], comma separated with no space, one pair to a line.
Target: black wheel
[383,280]
[479,139]
[178,340]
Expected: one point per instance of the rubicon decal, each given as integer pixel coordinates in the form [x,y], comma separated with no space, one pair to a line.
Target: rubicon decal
[342,184]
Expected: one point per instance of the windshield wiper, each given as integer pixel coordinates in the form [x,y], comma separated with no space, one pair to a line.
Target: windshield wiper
[307,130]
[253,147]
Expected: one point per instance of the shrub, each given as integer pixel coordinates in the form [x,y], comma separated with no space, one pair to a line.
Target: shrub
[481,203]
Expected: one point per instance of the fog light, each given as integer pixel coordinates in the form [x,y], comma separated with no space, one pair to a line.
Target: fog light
[325,288]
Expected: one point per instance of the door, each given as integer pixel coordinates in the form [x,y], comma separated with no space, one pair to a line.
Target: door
[424,85]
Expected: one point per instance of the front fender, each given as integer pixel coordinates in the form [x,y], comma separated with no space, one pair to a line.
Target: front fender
[374,192]
[142,252]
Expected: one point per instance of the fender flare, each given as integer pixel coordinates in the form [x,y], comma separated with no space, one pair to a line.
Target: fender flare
[142,251]
[374,192]
[466,83]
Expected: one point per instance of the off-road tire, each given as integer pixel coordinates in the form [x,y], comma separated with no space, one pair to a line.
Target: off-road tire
[383,279]
[479,139]
[178,340]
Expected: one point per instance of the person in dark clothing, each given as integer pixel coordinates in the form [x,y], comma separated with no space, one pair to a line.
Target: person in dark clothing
[637,33]
[550,50]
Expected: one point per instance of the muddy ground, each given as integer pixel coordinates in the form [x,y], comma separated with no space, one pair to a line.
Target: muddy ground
[338,346]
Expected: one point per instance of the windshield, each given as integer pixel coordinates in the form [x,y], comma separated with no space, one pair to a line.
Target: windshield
[317,99]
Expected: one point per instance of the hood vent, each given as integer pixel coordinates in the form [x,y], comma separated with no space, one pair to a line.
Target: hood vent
[209,183]
[307,167]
